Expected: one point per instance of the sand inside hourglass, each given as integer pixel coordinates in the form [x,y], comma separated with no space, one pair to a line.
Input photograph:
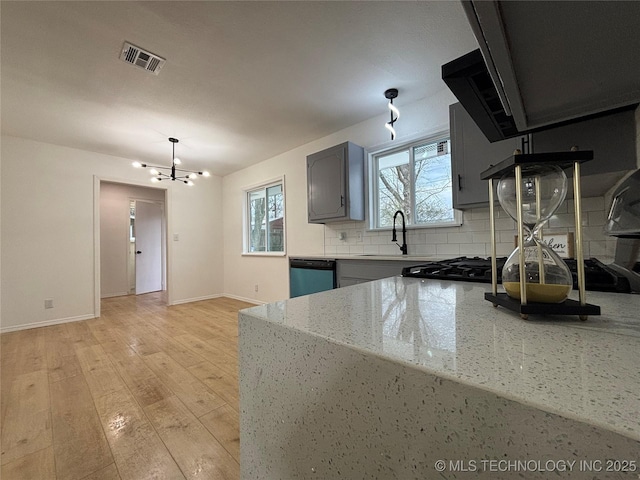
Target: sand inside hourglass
[536,292]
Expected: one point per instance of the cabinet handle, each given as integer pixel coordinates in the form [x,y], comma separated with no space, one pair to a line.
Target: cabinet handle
[459,182]
[342,200]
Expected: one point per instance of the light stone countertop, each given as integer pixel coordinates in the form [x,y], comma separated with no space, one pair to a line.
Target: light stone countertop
[586,371]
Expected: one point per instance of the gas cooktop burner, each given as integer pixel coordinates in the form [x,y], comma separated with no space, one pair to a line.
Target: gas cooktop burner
[598,277]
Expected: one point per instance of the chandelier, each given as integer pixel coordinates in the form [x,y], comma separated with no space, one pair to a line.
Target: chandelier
[172,173]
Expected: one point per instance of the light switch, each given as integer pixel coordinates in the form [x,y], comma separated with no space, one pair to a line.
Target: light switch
[176,237]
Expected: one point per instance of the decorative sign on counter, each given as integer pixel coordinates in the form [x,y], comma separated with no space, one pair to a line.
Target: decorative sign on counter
[561,243]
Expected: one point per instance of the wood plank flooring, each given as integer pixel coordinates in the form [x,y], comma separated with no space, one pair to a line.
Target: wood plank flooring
[145,391]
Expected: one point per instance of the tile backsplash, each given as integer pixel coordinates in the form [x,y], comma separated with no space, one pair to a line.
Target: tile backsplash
[472,238]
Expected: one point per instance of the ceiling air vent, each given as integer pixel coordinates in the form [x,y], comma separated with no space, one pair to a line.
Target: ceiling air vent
[142,58]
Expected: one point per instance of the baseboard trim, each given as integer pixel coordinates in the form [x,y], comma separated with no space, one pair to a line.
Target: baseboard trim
[111,295]
[243,299]
[46,323]
[197,299]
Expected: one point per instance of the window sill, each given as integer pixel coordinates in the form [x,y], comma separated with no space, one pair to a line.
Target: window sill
[415,227]
[264,254]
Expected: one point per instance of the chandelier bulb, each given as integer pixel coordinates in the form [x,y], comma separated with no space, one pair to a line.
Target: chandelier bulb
[205,174]
[137,164]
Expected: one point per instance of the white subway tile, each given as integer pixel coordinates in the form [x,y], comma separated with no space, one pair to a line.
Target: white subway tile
[561,220]
[473,249]
[596,218]
[459,238]
[591,204]
[475,225]
[446,249]
[389,249]
[422,249]
[504,249]
[480,213]
[593,233]
[597,249]
[506,236]
[431,238]
[356,250]
[505,224]
[371,249]
[481,237]
[416,237]
[342,250]
[379,240]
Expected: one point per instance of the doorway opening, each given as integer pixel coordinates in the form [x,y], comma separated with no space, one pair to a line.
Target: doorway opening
[131,242]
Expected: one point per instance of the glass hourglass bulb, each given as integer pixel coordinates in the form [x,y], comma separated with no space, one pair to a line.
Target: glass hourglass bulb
[546,183]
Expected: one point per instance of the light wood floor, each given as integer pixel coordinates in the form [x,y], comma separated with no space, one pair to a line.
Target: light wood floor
[144,391]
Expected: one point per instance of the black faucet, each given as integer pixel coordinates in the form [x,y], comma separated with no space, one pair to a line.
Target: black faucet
[394,238]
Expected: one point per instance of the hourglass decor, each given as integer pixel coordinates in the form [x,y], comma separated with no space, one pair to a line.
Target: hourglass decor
[530,188]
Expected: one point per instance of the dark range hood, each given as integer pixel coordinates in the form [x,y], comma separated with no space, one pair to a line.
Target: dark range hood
[469,80]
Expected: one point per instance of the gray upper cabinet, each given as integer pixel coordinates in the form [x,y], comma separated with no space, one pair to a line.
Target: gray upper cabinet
[335,184]
[611,137]
[471,154]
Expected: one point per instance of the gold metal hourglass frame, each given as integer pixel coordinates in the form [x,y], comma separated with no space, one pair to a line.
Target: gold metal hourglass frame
[514,164]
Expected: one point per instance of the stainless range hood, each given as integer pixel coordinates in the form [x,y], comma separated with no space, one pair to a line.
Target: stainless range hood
[546,62]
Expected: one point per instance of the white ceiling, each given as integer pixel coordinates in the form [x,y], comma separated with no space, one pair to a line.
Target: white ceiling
[244,81]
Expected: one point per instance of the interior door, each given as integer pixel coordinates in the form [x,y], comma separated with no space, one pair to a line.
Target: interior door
[148,247]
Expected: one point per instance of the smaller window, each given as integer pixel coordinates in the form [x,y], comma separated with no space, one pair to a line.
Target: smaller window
[264,219]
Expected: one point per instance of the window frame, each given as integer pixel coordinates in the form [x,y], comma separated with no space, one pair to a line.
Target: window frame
[246,217]
[373,195]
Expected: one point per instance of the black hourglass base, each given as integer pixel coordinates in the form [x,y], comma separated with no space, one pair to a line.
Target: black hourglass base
[568,307]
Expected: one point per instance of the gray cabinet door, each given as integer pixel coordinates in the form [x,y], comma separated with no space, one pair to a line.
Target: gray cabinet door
[326,173]
[471,154]
[335,184]
[611,137]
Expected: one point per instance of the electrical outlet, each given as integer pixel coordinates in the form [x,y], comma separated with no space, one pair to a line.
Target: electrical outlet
[359,237]
[342,236]
[256,287]
[48,303]
[176,237]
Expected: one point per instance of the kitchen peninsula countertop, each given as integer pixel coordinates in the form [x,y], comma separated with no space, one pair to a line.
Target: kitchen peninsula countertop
[583,373]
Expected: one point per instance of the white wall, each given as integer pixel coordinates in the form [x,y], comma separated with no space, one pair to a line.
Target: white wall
[48,232]
[242,273]
[115,199]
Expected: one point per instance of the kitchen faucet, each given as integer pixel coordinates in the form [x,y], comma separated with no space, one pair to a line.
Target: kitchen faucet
[394,238]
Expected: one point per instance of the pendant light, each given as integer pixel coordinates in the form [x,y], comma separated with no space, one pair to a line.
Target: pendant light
[393,110]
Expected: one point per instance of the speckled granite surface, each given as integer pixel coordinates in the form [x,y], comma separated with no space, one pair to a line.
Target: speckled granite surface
[382,379]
